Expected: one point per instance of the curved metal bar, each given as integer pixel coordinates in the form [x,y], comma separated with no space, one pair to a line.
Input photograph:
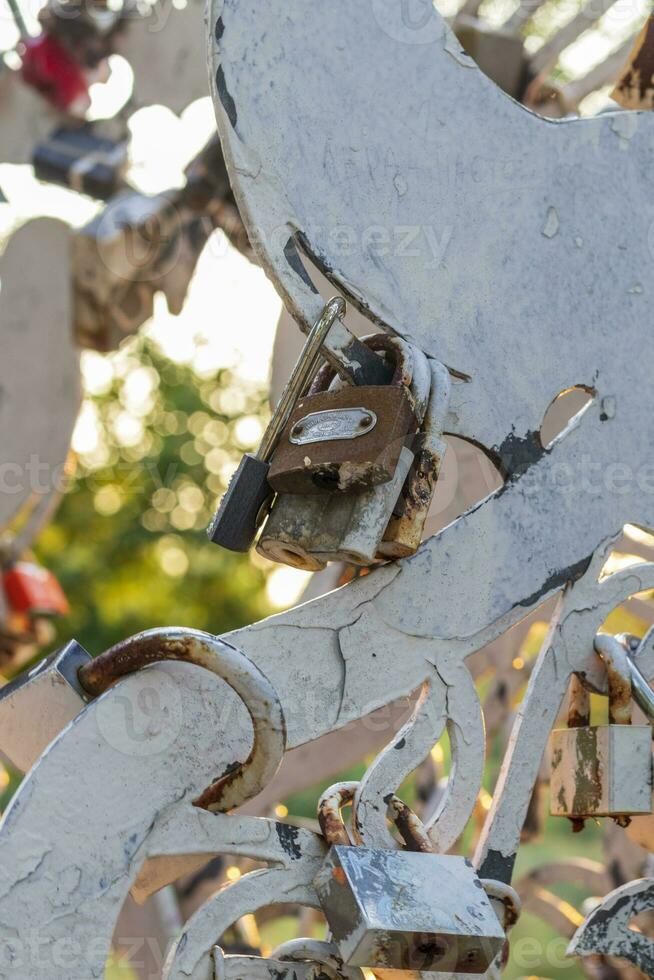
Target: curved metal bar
[465,727]
[622,646]
[407,750]
[329,813]
[449,698]
[606,930]
[315,951]
[191,956]
[221,658]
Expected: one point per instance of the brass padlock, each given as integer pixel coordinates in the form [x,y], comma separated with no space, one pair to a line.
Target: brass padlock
[403,909]
[601,770]
[348,439]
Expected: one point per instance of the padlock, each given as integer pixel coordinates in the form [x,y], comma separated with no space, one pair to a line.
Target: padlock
[72,52]
[33,590]
[79,158]
[242,508]
[38,704]
[50,68]
[403,909]
[601,770]
[307,531]
[348,439]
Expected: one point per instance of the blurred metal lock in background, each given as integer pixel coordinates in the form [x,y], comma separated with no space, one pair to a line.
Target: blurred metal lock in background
[348,439]
[38,704]
[403,909]
[601,770]
[33,590]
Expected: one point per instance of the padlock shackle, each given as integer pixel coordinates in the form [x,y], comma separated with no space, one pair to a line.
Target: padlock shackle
[301,375]
[399,350]
[329,813]
[618,675]
[578,704]
[641,690]
[411,828]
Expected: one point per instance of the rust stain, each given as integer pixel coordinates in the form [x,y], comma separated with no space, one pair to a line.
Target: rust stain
[619,694]
[588,776]
[339,876]
[329,814]
[411,828]
[131,655]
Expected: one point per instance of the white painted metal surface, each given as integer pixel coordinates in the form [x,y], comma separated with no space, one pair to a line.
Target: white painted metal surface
[488,198]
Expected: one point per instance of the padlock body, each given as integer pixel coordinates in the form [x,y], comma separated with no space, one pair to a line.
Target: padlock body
[343,441]
[34,590]
[38,704]
[401,910]
[237,520]
[601,771]
[309,530]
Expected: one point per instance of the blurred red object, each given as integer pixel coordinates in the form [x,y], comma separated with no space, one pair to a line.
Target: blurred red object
[34,590]
[49,68]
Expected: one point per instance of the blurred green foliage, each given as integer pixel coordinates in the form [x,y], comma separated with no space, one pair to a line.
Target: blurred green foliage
[128,542]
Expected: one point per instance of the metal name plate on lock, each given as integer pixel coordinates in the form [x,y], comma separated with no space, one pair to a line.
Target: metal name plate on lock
[343,423]
[404,910]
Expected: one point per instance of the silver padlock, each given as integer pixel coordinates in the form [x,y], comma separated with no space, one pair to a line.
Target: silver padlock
[308,531]
[403,909]
[601,770]
[37,705]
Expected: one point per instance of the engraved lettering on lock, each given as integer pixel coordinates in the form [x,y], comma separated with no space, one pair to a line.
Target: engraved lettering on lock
[333,424]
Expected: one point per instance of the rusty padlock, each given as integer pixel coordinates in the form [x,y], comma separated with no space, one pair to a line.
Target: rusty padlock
[347,439]
[601,770]
[403,909]
[309,530]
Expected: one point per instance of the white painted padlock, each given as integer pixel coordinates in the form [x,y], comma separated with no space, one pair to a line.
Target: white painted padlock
[403,909]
